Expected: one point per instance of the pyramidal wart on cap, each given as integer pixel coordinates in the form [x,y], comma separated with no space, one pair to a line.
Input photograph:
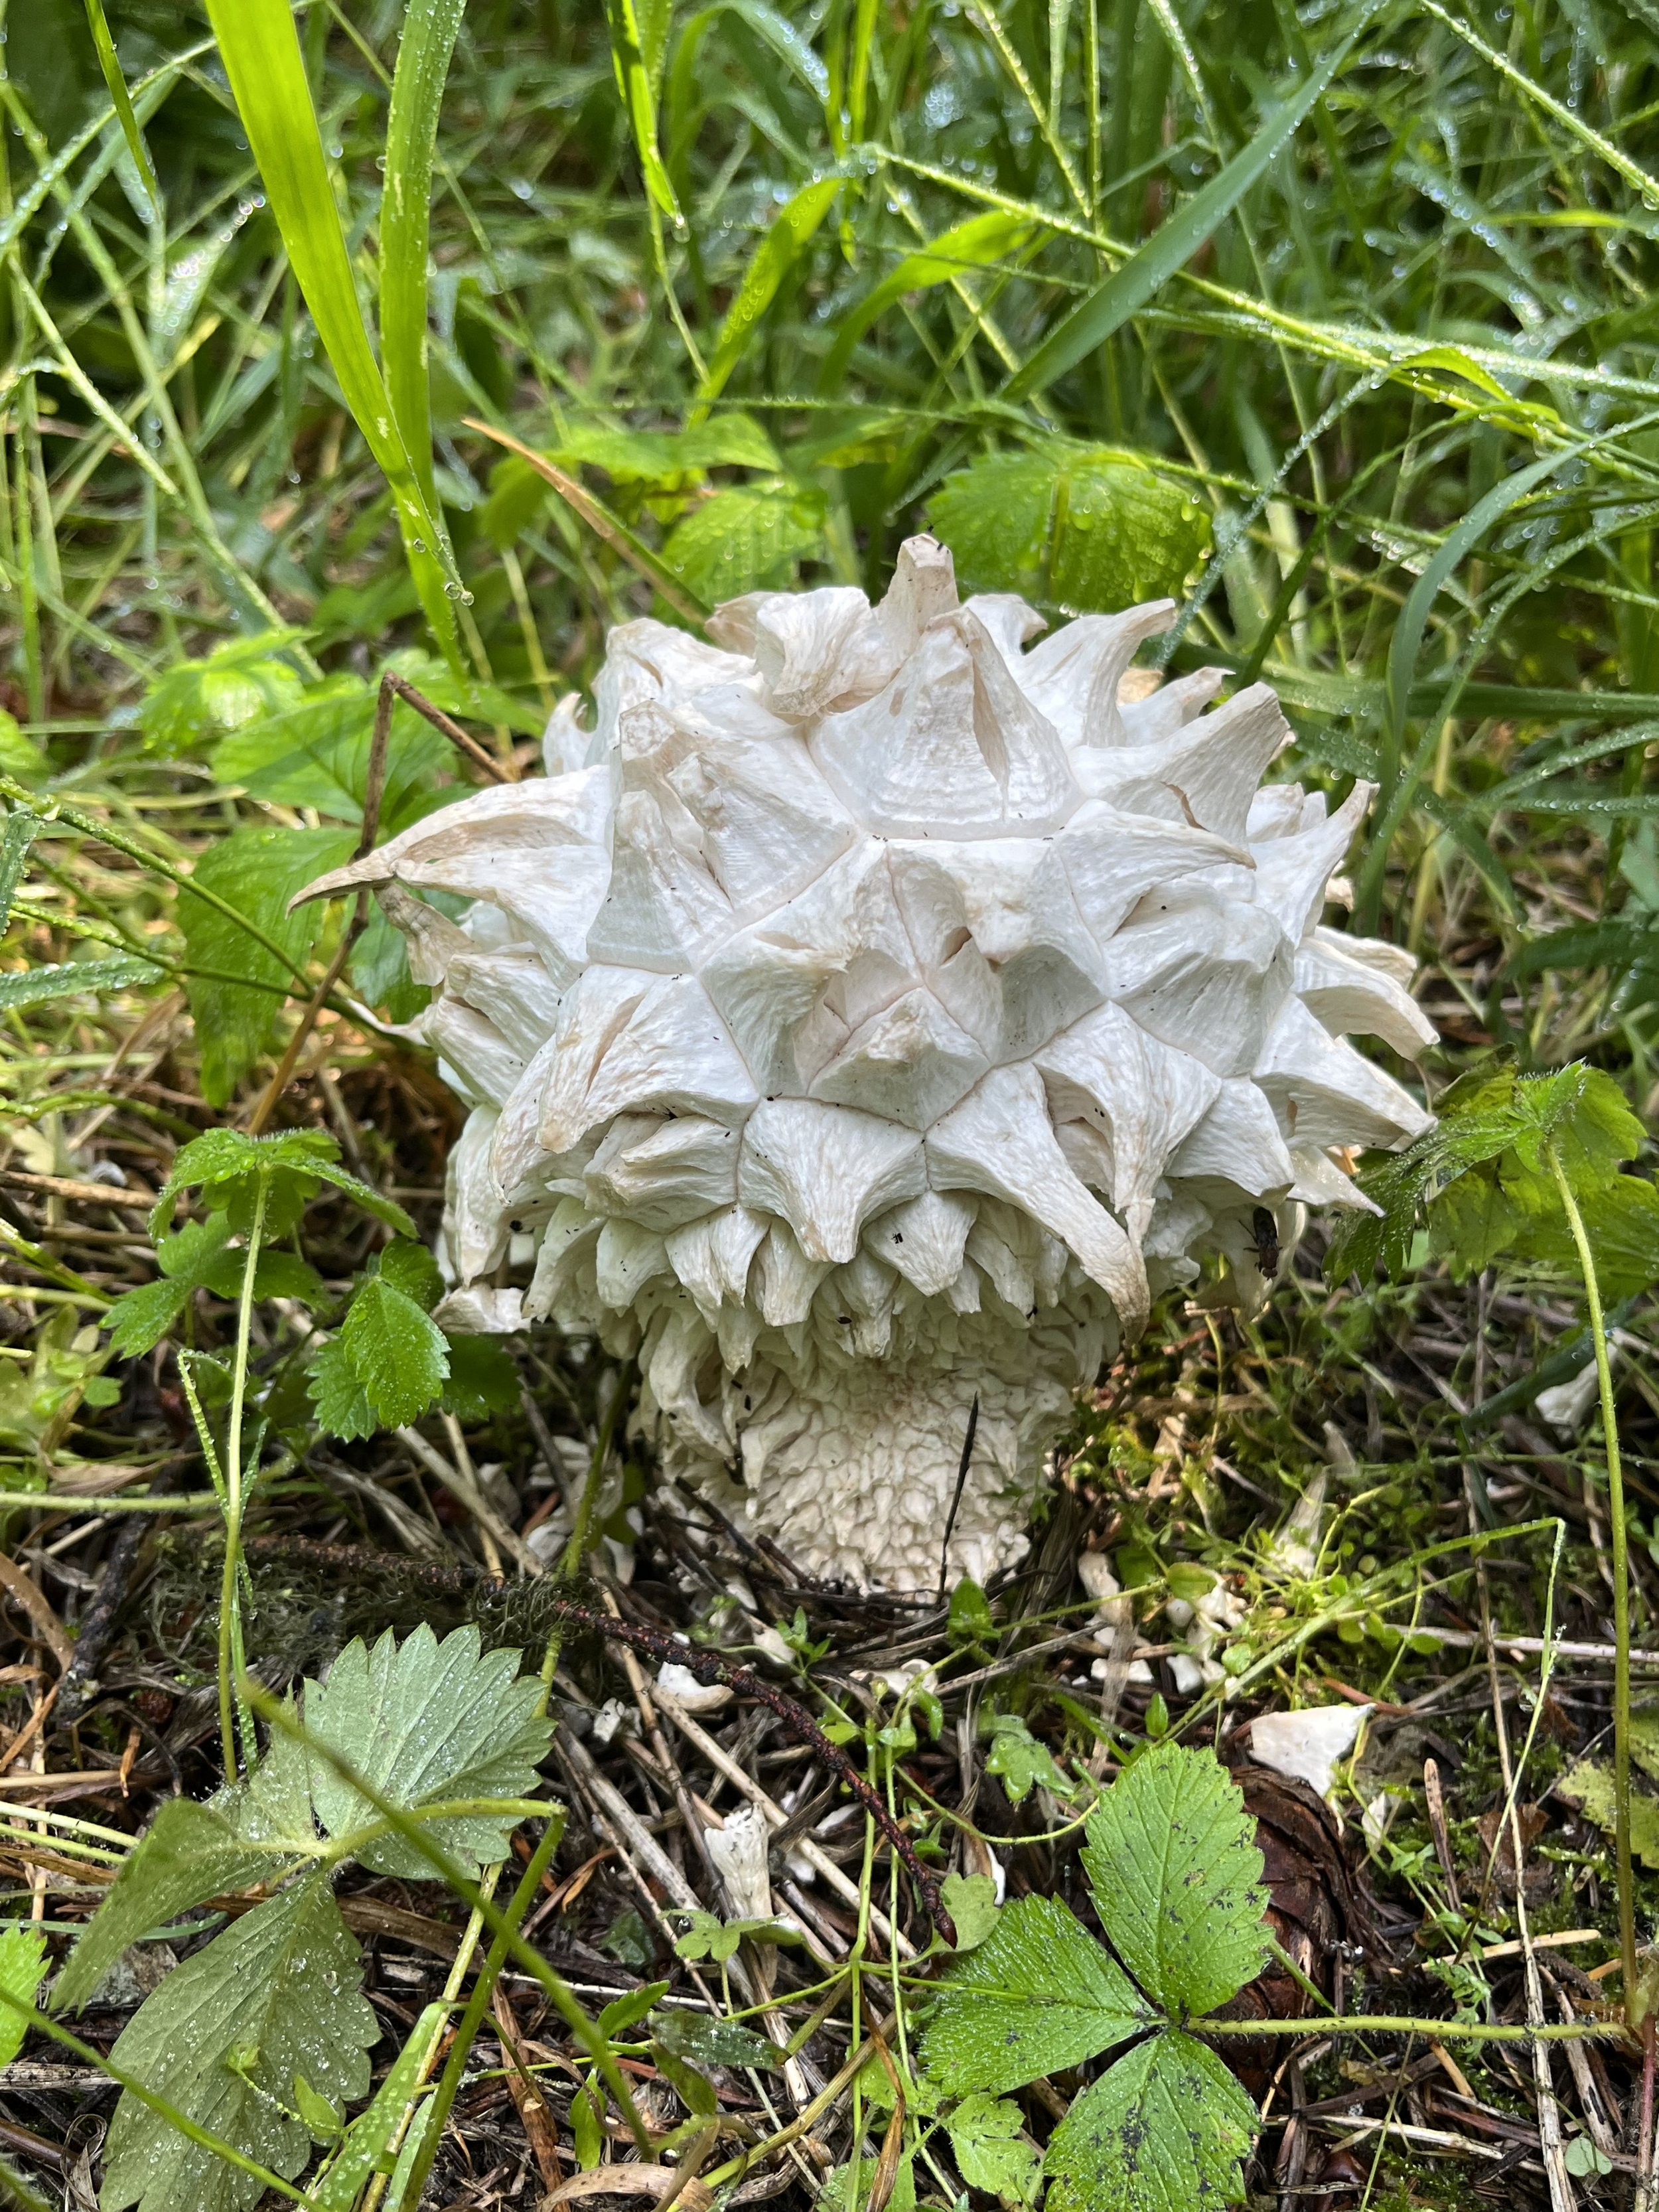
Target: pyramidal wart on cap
[872,1013]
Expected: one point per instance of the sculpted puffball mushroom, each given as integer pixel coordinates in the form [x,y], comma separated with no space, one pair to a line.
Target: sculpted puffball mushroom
[871,1015]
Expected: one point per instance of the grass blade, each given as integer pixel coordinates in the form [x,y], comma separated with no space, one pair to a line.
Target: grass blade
[1413,619]
[1128,289]
[110,64]
[260,49]
[794,224]
[635,82]
[979,242]
[430,30]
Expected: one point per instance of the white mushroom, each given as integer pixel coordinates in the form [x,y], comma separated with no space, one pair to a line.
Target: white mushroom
[872,1016]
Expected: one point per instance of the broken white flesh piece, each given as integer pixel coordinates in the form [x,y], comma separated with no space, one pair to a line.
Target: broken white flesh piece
[870,1016]
[1309,1745]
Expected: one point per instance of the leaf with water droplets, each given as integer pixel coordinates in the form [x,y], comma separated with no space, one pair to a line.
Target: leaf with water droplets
[278,1994]
[425,1723]
[191,1852]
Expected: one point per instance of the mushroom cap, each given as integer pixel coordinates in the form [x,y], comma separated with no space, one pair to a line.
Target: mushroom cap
[868,977]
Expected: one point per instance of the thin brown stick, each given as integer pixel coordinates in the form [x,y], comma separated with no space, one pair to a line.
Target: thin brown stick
[487,764]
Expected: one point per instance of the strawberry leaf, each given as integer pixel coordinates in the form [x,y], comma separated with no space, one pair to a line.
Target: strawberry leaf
[1171,1859]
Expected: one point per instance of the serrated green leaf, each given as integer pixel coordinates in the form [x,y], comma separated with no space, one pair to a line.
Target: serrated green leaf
[425,1723]
[1037,1993]
[23,1969]
[316,752]
[257,872]
[197,701]
[482,1380]
[1165,2129]
[987,2141]
[190,1852]
[317,755]
[139,1318]
[747,538]
[1019,1761]
[281,1989]
[228,1168]
[410,1268]
[1085,527]
[1172,1861]
[342,1402]
[396,1349]
[69,979]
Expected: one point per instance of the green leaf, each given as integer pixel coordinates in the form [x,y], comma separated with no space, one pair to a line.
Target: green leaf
[316,754]
[342,1402]
[23,1969]
[1018,1760]
[276,1995]
[22,758]
[708,2042]
[1039,1993]
[197,701]
[1172,1861]
[324,2118]
[1087,528]
[663,457]
[190,1852]
[409,1267]
[1128,289]
[747,538]
[396,1351]
[482,1380]
[849,2188]
[1165,2129]
[122,101]
[981,242]
[987,2141]
[139,1318]
[971,1901]
[694,2089]
[971,1620]
[1589,1785]
[257,872]
[424,1723]
[228,1166]
[633,2005]
[69,979]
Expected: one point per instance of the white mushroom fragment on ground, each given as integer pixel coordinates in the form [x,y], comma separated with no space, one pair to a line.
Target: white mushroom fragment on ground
[869,1017]
[1309,1745]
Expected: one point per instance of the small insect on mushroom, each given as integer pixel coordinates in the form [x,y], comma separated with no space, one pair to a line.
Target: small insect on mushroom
[867,1017]
[1264,1232]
